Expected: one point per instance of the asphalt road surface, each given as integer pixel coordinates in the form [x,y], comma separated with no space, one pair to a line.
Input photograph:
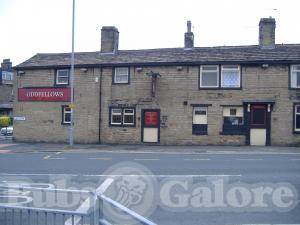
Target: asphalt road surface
[183,187]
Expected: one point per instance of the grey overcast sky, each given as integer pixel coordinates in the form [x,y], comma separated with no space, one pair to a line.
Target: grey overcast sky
[44,26]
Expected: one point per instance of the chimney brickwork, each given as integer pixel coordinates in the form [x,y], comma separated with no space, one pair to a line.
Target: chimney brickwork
[189,36]
[6,65]
[267,33]
[109,39]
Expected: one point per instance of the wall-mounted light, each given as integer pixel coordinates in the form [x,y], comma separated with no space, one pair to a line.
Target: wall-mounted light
[269,107]
[21,72]
[179,68]
[84,70]
[139,69]
[265,66]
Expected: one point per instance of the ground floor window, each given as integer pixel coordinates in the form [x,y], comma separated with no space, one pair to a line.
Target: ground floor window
[66,115]
[233,120]
[128,116]
[122,116]
[297,118]
[200,120]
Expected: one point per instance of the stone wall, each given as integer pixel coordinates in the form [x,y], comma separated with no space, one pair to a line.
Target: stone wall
[43,119]
[6,95]
[176,91]
[174,87]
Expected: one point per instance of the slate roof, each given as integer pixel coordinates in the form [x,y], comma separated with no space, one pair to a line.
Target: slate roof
[289,53]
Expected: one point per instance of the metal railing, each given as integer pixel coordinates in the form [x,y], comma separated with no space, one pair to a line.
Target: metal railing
[91,212]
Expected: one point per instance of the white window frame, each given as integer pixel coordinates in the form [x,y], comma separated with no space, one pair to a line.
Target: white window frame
[116,74]
[295,116]
[117,114]
[66,110]
[57,76]
[7,76]
[128,114]
[294,71]
[202,69]
[238,68]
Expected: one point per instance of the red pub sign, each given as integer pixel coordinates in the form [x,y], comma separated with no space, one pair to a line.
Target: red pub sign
[44,94]
[151,118]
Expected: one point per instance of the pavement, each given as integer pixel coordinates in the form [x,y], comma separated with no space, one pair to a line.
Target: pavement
[18,147]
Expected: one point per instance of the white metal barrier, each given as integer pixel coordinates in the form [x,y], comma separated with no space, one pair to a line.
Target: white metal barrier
[89,213]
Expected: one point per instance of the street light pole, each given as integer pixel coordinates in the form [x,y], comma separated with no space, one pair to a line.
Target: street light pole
[71,135]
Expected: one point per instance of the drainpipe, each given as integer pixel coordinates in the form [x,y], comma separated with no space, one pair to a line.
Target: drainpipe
[100,104]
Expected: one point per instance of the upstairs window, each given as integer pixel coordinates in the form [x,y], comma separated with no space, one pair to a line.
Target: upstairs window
[230,76]
[121,75]
[7,75]
[297,118]
[62,77]
[209,76]
[295,76]
[122,116]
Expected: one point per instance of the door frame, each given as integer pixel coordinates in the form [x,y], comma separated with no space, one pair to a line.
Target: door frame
[143,125]
[247,115]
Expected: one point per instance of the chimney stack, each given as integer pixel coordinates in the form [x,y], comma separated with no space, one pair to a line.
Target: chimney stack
[6,65]
[109,39]
[267,33]
[189,36]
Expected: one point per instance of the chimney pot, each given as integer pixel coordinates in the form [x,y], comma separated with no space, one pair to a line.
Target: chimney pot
[267,33]
[189,26]
[189,36]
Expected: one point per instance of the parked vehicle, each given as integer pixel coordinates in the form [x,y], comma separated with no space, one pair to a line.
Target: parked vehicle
[7,131]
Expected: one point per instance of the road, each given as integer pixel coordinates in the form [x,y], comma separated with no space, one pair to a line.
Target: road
[252,169]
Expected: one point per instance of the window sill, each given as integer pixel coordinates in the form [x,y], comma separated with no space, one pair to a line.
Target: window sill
[66,124]
[220,88]
[120,83]
[121,125]
[209,88]
[230,88]
[199,134]
[61,85]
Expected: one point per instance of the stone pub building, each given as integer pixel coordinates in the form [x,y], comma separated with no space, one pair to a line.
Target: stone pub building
[228,95]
